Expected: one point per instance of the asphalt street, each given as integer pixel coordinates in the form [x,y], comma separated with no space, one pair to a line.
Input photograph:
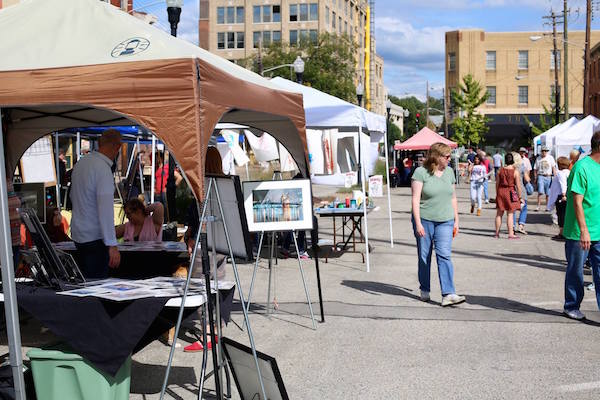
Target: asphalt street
[379,341]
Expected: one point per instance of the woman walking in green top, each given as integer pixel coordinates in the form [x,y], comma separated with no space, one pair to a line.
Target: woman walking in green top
[435,221]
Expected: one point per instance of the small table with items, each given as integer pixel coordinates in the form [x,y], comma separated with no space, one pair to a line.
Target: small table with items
[352,219]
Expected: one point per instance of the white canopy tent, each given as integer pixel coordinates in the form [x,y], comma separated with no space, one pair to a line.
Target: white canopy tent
[576,137]
[324,111]
[545,139]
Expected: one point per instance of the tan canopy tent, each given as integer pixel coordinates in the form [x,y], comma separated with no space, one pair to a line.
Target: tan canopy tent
[74,63]
[83,62]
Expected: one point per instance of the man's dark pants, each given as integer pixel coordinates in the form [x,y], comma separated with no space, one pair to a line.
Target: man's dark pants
[92,258]
[576,257]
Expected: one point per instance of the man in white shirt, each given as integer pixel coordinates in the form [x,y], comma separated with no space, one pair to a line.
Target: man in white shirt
[543,170]
[92,224]
[498,159]
[525,160]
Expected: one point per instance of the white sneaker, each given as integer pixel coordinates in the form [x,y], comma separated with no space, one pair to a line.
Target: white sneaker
[487,201]
[452,299]
[574,314]
[425,295]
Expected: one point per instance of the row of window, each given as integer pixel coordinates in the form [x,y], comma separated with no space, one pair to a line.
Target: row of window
[230,40]
[523,95]
[522,60]
[230,15]
[333,22]
[235,40]
[268,13]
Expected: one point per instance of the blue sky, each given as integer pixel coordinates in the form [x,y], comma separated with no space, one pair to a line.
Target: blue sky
[410,33]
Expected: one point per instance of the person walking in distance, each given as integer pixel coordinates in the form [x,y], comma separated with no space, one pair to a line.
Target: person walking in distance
[477,174]
[522,164]
[485,161]
[497,163]
[543,170]
[435,221]
[582,228]
[508,195]
[558,194]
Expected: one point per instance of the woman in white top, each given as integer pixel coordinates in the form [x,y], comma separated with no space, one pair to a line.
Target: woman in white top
[558,194]
[478,174]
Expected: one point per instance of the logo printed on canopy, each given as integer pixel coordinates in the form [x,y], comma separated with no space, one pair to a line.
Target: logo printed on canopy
[130,47]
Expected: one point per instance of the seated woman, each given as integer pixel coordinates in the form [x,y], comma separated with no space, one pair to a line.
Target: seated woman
[56,226]
[145,222]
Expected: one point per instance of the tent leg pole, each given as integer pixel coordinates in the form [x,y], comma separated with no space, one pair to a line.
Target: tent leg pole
[56,161]
[77,148]
[8,283]
[364,204]
[387,174]
[152,174]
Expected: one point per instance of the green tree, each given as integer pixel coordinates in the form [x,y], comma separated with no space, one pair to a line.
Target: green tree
[547,121]
[329,63]
[470,126]
[393,134]
[414,107]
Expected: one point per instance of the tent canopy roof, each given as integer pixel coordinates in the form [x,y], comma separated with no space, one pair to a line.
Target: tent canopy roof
[423,140]
[326,111]
[71,33]
[579,133]
[87,63]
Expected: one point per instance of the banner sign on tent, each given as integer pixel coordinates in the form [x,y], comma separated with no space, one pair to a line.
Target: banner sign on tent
[376,186]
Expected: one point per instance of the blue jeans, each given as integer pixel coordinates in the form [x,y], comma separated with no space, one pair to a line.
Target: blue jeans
[486,195]
[576,257]
[438,235]
[543,184]
[476,189]
[522,215]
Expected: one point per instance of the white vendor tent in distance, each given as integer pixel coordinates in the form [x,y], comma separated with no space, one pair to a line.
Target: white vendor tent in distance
[576,137]
[544,139]
[324,111]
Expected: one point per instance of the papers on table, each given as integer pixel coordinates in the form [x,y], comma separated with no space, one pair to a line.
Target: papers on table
[135,246]
[123,289]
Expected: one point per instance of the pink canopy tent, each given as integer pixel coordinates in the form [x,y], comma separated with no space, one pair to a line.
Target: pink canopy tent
[423,140]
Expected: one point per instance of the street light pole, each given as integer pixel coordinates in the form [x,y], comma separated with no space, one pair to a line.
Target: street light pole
[556,89]
[360,91]
[174,13]
[565,60]
[299,69]
[586,69]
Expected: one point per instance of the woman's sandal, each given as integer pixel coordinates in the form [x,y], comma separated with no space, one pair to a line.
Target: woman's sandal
[513,237]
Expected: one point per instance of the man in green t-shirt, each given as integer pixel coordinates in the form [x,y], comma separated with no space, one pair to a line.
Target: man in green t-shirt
[582,228]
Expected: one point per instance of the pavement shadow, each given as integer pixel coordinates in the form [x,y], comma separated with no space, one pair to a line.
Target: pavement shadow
[538,260]
[378,288]
[504,304]
[148,378]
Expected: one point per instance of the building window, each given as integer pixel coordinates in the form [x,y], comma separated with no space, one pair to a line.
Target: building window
[523,59]
[266,37]
[276,13]
[492,95]
[220,15]
[523,95]
[293,12]
[554,62]
[266,16]
[490,60]
[256,14]
[333,19]
[303,35]
[451,61]
[256,35]
[314,12]
[327,16]
[239,40]
[231,15]
[221,40]
[239,15]
[345,27]
[303,12]
[340,25]
[276,36]
[231,40]
[313,36]
[293,37]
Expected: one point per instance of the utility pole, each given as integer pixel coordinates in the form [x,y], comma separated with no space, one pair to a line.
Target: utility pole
[565,58]
[586,70]
[427,103]
[555,56]
[445,112]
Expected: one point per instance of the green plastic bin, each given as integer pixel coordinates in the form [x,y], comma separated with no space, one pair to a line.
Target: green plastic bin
[61,374]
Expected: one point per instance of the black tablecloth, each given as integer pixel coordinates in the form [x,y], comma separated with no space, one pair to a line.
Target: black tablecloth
[103,331]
